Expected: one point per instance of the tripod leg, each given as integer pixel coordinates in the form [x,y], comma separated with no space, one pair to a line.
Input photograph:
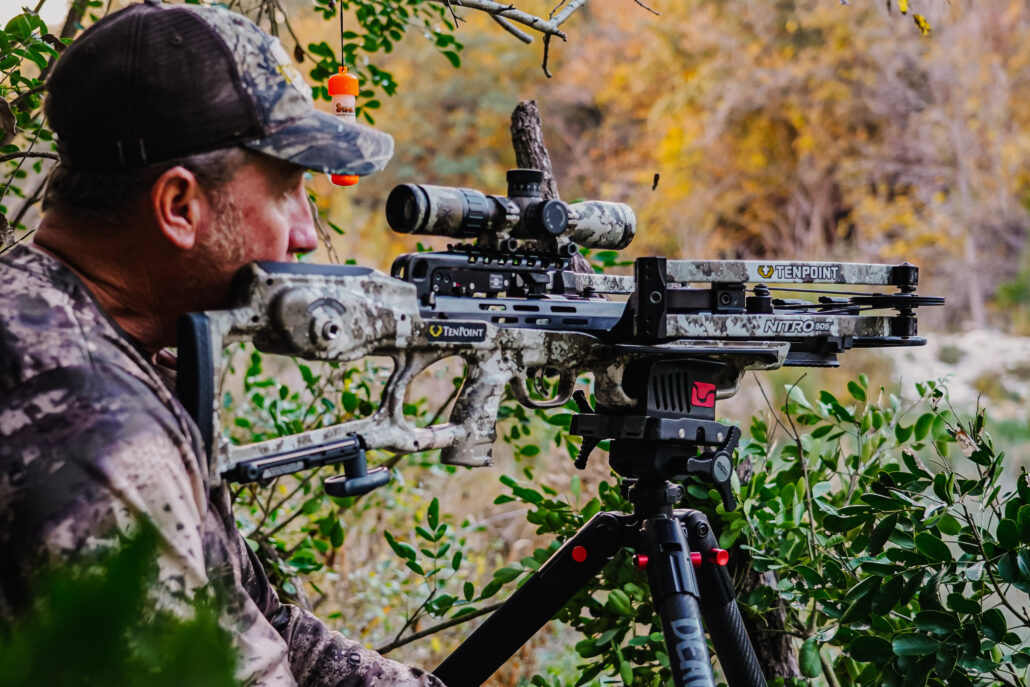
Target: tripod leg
[536,601]
[719,608]
[675,595]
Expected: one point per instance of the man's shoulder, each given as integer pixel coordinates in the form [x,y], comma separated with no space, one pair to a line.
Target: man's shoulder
[46,317]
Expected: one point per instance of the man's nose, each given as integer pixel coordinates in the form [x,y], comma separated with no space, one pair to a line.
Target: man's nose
[303,238]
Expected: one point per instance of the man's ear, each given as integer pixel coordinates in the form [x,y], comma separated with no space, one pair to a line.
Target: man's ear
[177,203]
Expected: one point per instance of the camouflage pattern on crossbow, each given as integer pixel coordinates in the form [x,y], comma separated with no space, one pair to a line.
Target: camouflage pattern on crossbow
[513,314]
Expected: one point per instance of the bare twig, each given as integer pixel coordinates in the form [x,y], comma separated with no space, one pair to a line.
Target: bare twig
[437,628]
[29,202]
[547,50]
[509,12]
[570,8]
[28,153]
[827,668]
[512,29]
[454,15]
[323,233]
[647,8]
[4,249]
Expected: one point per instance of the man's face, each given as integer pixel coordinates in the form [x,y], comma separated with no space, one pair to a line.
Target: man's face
[263,213]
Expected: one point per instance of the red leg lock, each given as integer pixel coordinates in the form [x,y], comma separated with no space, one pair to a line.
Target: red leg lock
[719,556]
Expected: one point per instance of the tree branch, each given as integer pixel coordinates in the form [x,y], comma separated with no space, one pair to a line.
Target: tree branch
[512,29]
[570,8]
[647,8]
[437,628]
[28,153]
[509,12]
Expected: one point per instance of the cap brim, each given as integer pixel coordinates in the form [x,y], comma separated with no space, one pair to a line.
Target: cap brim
[326,143]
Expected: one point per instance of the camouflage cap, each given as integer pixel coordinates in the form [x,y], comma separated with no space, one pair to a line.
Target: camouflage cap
[155,82]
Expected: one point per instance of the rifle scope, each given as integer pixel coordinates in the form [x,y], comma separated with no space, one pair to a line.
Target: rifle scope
[464,213]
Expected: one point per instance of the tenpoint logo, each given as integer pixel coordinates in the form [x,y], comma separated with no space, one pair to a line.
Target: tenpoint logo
[789,272]
[457,332]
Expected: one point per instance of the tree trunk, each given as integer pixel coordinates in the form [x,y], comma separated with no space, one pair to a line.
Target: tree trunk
[772,644]
[527,138]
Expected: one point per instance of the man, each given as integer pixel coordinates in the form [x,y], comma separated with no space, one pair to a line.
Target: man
[184,134]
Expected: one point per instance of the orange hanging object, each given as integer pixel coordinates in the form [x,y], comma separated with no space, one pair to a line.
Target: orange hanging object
[343,89]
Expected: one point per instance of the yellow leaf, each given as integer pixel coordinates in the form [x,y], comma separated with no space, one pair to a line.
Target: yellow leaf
[924,26]
[903,6]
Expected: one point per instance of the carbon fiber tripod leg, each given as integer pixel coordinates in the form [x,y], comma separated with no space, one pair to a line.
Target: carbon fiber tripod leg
[719,607]
[675,593]
[536,602]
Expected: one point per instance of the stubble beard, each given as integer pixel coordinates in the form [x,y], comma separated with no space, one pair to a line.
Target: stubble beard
[220,253]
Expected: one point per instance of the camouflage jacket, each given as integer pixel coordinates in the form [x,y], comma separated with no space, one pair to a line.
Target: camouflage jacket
[92,439]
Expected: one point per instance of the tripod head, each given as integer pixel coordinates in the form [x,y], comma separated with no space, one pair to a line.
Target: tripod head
[669,434]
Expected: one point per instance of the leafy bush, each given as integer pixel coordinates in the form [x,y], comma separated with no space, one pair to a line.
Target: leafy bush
[899,565]
[93,623]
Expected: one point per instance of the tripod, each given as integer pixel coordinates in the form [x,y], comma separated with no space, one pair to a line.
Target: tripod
[675,435]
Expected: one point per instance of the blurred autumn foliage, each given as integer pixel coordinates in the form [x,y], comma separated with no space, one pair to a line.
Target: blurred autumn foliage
[803,129]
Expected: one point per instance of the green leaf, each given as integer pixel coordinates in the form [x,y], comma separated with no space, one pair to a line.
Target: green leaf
[902,433]
[922,426]
[949,525]
[937,622]
[1007,534]
[880,502]
[452,57]
[863,595]
[433,514]
[959,603]
[468,591]
[809,661]
[914,645]
[626,673]
[932,547]
[1023,563]
[400,548]
[507,574]
[858,393]
[836,523]
[1023,485]
[1008,568]
[942,487]
[870,649]
[912,586]
[888,596]
[993,624]
[881,533]
[821,431]
[1023,520]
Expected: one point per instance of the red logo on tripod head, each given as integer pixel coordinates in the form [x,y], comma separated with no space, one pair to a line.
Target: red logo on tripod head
[702,395]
